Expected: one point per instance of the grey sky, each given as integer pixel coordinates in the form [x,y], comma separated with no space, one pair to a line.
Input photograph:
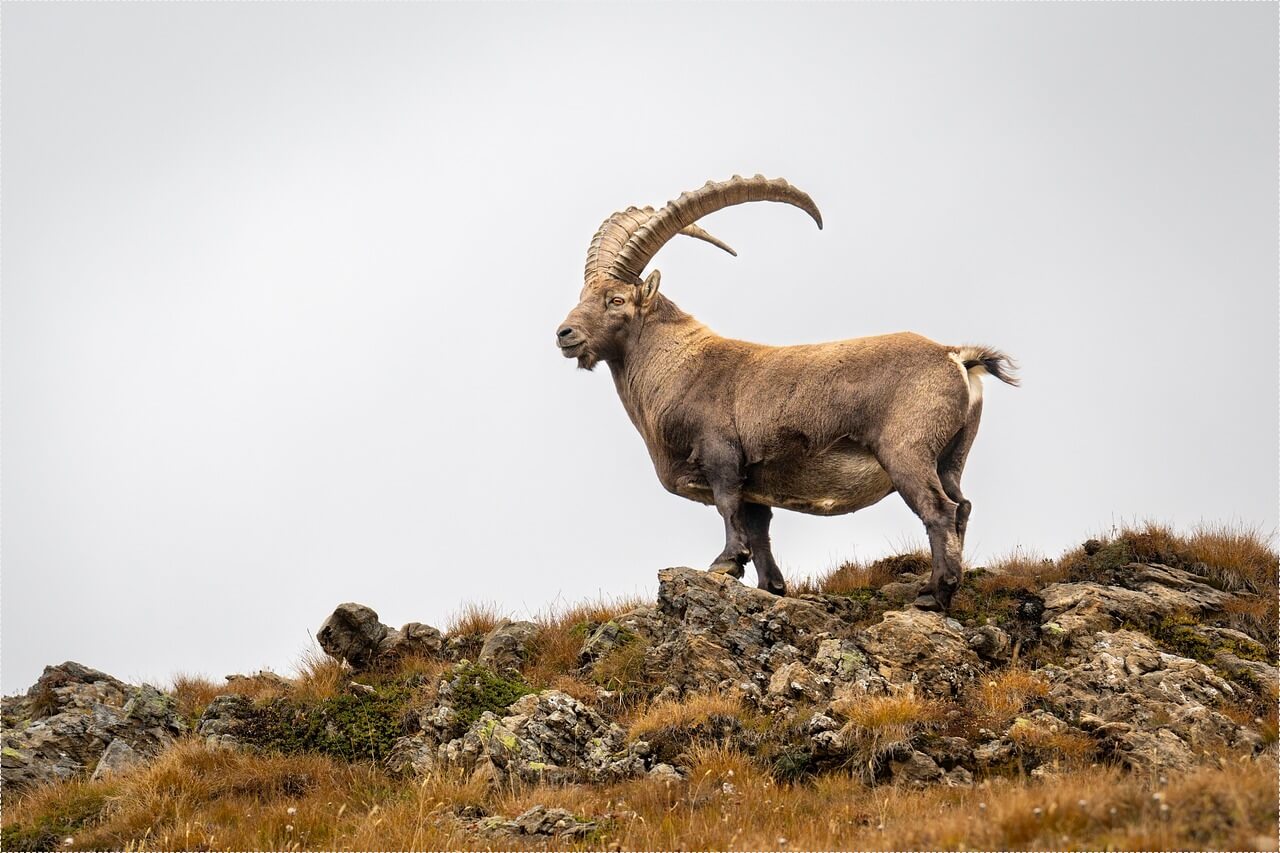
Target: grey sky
[281,281]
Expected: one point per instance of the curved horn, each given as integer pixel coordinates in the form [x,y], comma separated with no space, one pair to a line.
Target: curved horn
[618,228]
[699,234]
[650,235]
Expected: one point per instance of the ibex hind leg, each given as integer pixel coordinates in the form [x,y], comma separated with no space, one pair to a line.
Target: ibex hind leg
[915,477]
[756,518]
[951,467]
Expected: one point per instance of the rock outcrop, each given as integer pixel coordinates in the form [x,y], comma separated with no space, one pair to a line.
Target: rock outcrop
[1074,611]
[76,720]
[353,634]
[807,661]
[546,736]
[1149,709]
[506,647]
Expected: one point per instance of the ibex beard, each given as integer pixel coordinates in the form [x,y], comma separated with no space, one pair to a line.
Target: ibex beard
[824,429]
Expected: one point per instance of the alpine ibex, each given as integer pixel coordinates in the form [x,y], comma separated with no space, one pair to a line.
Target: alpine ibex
[825,429]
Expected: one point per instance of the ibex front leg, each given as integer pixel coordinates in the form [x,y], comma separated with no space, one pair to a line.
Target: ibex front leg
[721,464]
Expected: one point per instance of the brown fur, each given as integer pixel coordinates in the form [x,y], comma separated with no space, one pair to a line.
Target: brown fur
[819,428]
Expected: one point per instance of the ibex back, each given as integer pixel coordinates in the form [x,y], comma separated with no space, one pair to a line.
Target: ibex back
[825,429]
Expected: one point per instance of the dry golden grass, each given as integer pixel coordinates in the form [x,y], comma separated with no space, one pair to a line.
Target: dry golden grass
[419,667]
[1018,571]
[853,575]
[1234,557]
[587,694]
[624,670]
[1151,541]
[475,617]
[879,713]
[729,803]
[553,654]
[1254,616]
[1052,744]
[875,725]
[693,710]
[193,693]
[195,798]
[319,677]
[466,628]
[1001,696]
[1237,556]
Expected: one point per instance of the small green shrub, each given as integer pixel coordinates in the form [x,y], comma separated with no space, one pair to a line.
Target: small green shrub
[1098,561]
[865,595]
[77,808]
[349,726]
[477,689]
[14,837]
[792,765]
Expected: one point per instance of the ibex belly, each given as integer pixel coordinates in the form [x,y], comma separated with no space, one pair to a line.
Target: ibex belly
[839,480]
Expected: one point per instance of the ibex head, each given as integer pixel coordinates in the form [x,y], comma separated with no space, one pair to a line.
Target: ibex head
[615,299]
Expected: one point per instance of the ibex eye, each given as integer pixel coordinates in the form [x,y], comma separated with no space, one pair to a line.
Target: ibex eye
[617,300]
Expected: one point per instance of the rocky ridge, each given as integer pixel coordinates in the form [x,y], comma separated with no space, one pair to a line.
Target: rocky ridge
[1134,663]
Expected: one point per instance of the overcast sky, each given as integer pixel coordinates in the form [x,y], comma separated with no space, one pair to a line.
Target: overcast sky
[281,282]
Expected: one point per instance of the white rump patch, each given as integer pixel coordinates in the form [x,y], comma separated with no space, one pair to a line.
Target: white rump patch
[972,375]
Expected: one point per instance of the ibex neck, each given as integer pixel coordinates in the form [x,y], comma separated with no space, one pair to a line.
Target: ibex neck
[667,345]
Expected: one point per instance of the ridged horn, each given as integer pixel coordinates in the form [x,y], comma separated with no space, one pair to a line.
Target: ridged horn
[614,232]
[643,239]
[699,234]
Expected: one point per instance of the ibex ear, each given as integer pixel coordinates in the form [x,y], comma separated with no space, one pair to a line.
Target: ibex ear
[649,289]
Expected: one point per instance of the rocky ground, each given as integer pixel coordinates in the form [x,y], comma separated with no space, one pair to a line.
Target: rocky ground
[1108,657]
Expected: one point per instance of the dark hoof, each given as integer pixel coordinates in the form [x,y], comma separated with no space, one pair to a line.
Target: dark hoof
[732,568]
[777,589]
[926,601]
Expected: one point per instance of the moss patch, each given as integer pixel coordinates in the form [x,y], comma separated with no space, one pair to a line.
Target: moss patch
[477,689]
[1179,633]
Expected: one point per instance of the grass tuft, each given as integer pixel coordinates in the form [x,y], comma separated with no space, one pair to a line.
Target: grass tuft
[854,578]
[475,618]
[1000,696]
[319,677]
[624,671]
[553,654]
